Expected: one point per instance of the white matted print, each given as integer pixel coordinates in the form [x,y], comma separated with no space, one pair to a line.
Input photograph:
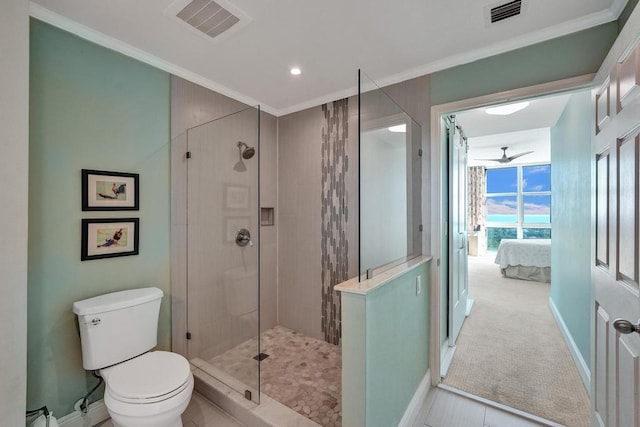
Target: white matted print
[109,237]
[102,190]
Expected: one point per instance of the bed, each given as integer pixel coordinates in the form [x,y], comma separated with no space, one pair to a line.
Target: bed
[528,259]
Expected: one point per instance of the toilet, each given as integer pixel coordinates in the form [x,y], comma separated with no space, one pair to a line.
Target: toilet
[142,388]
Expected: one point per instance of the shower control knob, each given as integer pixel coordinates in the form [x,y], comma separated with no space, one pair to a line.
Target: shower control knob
[243,237]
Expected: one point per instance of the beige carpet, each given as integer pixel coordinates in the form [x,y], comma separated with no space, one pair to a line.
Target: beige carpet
[511,351]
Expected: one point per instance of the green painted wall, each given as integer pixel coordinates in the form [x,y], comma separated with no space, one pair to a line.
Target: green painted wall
[571,210]
[624,16]
[385,349]
[89,108]
[560,58]
[397,356]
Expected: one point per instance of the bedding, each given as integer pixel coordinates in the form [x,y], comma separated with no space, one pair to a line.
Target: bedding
[528,259]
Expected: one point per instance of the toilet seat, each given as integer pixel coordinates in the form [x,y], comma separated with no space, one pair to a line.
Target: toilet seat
[149,378]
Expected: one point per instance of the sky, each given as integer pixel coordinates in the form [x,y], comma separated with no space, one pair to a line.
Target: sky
[505,180]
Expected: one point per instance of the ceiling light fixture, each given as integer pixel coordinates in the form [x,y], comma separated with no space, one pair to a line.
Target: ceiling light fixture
[296,71]
[505,110]
[399,128]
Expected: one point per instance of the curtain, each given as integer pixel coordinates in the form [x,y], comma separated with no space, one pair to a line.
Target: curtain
[477,182]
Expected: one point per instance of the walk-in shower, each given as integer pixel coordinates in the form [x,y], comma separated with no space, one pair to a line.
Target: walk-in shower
[223,236]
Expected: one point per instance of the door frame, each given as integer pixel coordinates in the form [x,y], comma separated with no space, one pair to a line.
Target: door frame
[439,245]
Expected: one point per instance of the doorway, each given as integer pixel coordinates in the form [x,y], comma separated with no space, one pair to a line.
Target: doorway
[481,266]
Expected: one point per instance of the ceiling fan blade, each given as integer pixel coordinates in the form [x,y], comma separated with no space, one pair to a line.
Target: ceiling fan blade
[515,156]
[489,160]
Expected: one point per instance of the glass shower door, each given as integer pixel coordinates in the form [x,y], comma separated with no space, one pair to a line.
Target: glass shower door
[223,250]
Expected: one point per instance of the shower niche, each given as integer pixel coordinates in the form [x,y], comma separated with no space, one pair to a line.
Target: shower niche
[267,216]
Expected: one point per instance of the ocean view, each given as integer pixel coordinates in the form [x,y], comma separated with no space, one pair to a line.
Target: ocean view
[513,219]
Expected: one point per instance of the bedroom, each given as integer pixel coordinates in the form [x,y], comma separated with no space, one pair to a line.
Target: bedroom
[540,349]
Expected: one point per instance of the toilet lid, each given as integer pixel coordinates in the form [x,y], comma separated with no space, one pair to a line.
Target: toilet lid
[148,376]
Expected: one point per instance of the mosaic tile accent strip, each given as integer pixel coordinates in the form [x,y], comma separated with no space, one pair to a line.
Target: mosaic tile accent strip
[302,373]
[335,213]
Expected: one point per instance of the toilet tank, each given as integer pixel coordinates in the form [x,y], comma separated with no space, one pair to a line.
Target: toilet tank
[118,326]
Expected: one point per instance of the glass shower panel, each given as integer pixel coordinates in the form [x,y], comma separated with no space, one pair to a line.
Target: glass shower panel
[222,250]
[390,180]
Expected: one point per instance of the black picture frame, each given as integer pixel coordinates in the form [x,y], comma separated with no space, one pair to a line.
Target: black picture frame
[100,239]
[110,191]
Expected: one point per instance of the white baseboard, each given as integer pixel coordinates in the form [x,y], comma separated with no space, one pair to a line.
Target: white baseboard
[469,307]
[582,366]
[411,414]
[96,413]
[446,357]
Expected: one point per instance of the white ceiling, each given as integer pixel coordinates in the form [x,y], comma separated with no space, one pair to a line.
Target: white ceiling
[488,147]
[525,130]
[390,40]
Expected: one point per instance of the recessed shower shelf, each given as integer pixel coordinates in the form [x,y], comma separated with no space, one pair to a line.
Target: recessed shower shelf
[267,216]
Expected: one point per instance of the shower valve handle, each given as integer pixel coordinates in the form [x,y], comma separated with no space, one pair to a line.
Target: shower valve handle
[243,237]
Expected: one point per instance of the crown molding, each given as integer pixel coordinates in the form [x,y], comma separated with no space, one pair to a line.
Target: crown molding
[546,34]
[39,12]
[617,6]
[43,14]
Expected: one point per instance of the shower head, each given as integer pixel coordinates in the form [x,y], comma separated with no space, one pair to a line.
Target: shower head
[245,151]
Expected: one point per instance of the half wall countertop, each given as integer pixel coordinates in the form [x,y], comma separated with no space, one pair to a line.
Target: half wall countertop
[355,287]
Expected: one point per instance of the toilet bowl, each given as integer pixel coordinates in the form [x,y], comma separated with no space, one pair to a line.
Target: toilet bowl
[151,390]
[143,388]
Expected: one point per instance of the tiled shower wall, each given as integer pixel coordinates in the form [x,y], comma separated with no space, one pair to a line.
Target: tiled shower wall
[192,105]
[303,300]
[300,241]
[291,182]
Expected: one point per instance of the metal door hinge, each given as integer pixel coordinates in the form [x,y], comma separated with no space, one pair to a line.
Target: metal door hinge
[420,152]
[420,228]
[247,394]
[188,335]
[188,155]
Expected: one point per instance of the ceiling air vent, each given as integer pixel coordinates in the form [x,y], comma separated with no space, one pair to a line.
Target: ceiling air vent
[207,17]
[506,10]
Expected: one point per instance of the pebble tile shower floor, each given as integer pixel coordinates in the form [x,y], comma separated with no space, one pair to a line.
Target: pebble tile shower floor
[300,372]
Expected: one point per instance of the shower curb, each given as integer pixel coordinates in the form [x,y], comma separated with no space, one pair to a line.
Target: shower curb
[269,413]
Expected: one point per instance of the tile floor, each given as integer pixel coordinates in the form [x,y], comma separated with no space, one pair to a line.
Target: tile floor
[302,373]
[201,413]
[442,408]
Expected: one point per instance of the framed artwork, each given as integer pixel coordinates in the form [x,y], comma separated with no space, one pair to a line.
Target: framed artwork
[236,197]
[109,191]
[109,237]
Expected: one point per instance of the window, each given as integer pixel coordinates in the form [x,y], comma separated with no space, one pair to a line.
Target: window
[495,235]
[518,203]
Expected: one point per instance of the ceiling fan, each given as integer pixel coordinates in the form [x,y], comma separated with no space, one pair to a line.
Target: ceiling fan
[504,158]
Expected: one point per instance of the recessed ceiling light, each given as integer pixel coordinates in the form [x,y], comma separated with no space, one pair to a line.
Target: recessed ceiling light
[399,128]
[505,110]
[296,71]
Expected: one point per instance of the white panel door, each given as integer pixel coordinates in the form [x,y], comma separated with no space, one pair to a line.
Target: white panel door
[458,282]
[614,273]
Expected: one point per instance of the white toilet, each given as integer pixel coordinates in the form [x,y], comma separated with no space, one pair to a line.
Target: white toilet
[143,388]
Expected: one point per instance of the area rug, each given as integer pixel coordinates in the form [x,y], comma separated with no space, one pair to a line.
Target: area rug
[510,349]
